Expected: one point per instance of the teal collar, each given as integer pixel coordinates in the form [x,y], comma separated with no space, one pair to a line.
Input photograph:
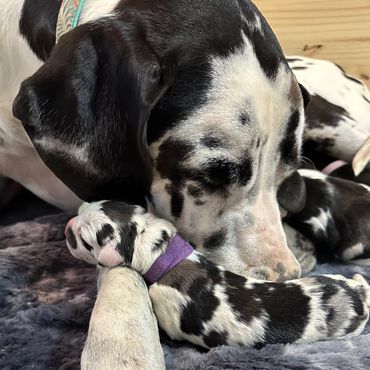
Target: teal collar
[69,16]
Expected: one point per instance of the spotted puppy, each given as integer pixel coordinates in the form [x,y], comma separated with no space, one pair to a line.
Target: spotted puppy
[335,217]
[196,300]
[337,118]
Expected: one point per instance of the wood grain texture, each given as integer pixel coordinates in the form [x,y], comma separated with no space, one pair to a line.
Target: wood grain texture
[334,30]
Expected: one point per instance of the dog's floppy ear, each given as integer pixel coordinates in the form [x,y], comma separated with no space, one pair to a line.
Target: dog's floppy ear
[292,193]
[306,96]
[86,109]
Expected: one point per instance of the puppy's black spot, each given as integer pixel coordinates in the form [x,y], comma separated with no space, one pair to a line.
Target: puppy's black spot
[288,309]
[289,145]
[355,323]
[201,308]
[105,233]
[214,339]
[211,142]
[352,293]
[160,243]
[128,235]
[86,245]
[215,240]
[212,269]
[246,309]
[71,239]
[235,280]
[329,291]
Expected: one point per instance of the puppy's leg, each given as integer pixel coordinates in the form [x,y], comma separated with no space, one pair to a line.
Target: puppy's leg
[123,332]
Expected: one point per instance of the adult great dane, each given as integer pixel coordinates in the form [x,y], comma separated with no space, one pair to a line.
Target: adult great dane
[190,104]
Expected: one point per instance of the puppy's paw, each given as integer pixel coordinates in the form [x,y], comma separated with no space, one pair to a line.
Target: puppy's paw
[96,234]
[339,305]
[108,232]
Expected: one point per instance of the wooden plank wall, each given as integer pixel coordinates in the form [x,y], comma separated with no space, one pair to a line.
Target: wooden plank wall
[337,30]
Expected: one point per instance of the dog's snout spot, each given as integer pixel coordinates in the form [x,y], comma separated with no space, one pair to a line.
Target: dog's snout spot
[71,238]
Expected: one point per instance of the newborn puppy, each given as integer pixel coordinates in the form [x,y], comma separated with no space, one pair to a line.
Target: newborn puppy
[336,216]
[198,301]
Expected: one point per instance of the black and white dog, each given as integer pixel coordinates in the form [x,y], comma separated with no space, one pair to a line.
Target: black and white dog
[197,301]
[189,105]
[180,102]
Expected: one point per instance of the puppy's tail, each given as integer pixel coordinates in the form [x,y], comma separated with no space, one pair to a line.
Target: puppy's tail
[362,158]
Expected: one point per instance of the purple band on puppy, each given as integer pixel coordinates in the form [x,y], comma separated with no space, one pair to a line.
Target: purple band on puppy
[176,252]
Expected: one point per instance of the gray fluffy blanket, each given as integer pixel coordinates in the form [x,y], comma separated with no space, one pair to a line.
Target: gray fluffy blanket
[46,297]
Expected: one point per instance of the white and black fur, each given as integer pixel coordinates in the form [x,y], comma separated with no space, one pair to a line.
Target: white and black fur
[337,118]
[335,218]
[178,103]
[207,305]
[188,105]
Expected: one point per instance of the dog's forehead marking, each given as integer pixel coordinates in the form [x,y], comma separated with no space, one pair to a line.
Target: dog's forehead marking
[241,103]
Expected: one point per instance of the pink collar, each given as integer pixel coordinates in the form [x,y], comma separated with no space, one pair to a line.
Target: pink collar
[330,168]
